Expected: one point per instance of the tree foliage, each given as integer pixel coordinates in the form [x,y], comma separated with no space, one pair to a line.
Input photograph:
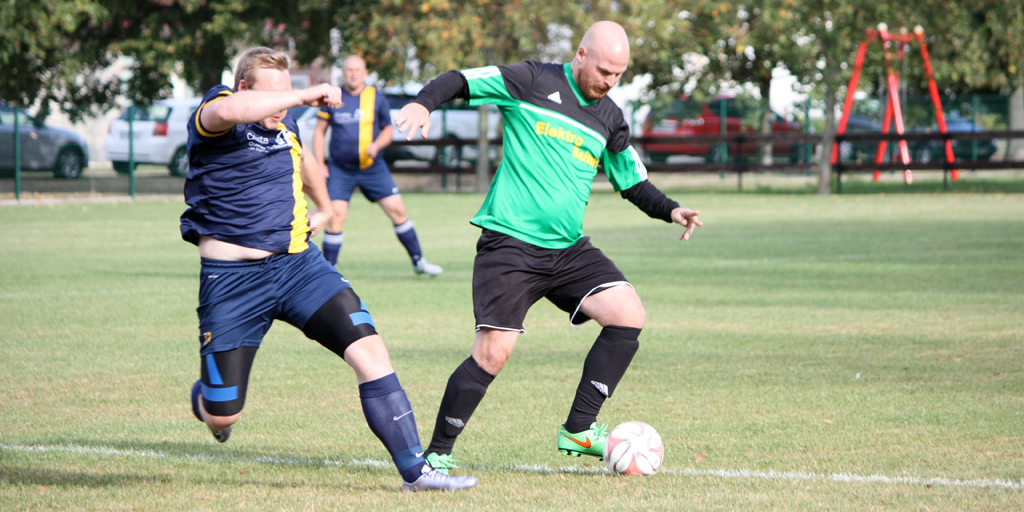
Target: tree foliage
[50,51]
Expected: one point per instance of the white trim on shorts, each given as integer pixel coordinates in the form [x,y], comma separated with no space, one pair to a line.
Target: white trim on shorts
[496,328]
[591,292]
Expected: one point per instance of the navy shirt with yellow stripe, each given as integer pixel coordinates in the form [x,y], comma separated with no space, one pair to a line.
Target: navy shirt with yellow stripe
[243,184]
[354,125]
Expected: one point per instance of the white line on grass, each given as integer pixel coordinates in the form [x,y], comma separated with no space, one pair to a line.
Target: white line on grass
[528,468]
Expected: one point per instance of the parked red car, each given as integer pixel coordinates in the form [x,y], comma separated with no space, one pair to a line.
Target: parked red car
[687,117]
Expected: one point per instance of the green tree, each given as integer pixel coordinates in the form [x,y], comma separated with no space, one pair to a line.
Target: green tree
[49,52]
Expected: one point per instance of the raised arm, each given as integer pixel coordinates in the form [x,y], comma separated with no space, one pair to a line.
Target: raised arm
[251,106]
[416,114]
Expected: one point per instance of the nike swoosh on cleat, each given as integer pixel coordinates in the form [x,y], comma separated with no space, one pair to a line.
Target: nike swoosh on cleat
[402,416]
[586,445]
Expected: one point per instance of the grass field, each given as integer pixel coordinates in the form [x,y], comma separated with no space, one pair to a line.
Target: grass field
[859,352]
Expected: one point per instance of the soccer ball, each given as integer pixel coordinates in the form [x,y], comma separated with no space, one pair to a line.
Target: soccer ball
[634,448]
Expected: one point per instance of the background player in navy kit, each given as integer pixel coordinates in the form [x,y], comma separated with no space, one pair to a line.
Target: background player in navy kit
[248,216]
[360,130]
[559,126]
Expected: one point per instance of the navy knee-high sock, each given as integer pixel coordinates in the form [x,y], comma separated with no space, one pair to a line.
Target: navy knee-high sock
[407,235]
[466,388]
[332,246]
[390,417]
[603,369]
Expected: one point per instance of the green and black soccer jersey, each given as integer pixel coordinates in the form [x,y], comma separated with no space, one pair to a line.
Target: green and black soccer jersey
[554,141]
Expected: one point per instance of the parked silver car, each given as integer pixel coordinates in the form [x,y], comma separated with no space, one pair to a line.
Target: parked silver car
[42,148]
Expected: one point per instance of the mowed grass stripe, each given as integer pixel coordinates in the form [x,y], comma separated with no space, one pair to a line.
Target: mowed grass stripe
[757,330]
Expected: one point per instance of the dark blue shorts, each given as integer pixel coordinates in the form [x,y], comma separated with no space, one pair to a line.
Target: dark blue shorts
[238,300]
[375,182]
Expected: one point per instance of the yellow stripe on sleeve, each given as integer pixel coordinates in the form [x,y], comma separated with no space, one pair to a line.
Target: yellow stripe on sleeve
[367,102]
[199,111]
[323,115]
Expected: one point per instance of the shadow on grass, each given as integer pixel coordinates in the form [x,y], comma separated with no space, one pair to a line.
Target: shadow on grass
[199,452]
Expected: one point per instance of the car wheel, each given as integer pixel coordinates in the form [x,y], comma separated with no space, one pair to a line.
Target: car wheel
[925,155]
[658,158]
[69,164]
[448,156]
[122,167]
[179,163]
[717,154]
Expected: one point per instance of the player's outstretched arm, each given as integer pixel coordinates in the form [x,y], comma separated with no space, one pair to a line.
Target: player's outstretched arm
[687,218]
[315,186]
[251,106]
[657,205]
[416,114]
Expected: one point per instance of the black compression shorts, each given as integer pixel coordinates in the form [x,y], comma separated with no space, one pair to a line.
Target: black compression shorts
[510,275]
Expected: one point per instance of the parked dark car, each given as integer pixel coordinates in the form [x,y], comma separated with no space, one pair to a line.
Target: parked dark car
[63,152]
[930,151]
[687,117]
[860,151]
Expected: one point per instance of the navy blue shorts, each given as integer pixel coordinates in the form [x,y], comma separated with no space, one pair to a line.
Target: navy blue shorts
[238,300]
[375,182]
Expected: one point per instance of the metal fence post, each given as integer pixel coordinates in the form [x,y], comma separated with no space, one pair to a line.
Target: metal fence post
[974,123]
[723,154]
[131,152]
[17,156]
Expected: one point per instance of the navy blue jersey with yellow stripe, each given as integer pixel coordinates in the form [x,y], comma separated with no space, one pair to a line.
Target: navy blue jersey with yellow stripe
[354,125]
[243,184]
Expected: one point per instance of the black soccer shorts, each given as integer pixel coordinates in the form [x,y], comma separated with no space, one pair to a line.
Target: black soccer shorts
[510,275]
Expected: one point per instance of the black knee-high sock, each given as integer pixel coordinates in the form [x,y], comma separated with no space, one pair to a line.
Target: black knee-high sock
[466,387]
[603,369]
[390,417]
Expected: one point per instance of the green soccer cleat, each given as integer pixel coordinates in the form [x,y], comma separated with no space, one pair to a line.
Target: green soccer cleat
[589,442]
[441,463]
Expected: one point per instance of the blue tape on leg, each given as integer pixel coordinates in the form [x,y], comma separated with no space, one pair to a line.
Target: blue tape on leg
[213,372]
[360,318]
[220,393]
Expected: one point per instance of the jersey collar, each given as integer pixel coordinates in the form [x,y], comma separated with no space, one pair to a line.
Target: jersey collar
[575,88]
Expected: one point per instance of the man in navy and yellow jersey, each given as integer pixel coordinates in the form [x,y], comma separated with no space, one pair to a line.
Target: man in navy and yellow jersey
[246,190]
[360,130]
[559,127]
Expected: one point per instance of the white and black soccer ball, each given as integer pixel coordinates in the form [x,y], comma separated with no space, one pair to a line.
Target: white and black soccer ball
[634,448]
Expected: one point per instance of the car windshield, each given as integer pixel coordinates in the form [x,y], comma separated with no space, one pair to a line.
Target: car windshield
[7,116]
[158,113]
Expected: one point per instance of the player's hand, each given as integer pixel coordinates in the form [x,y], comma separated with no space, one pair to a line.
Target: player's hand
[688,218]
[322,95]
[317,219]
[371,150]
[411,117]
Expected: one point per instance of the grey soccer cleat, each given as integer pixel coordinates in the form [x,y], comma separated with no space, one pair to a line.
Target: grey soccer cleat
[220,435]
[425,267]
[434,480]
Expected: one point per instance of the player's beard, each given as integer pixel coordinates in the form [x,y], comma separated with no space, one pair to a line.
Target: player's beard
[592,90]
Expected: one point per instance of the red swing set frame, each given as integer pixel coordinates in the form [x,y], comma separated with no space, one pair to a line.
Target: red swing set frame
[893,111]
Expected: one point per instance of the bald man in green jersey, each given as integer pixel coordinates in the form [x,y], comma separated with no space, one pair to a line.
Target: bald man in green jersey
[559,127]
